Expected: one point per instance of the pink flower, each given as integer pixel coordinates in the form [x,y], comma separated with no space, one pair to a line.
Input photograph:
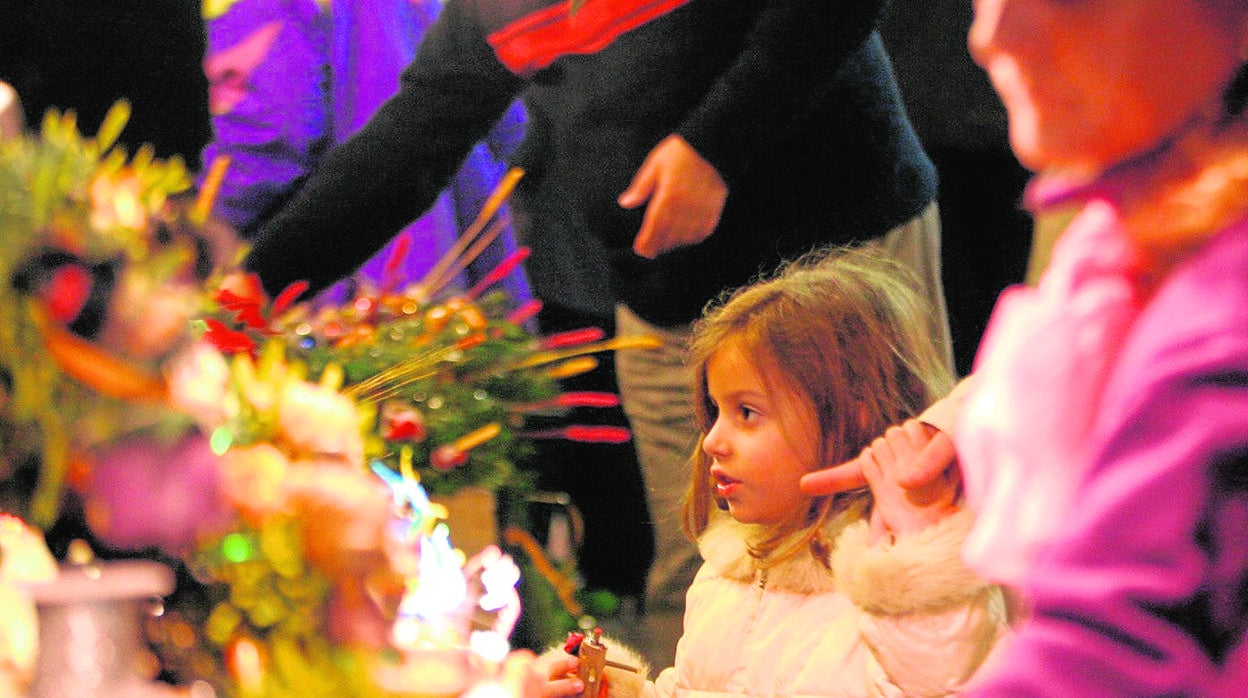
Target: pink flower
[144,493]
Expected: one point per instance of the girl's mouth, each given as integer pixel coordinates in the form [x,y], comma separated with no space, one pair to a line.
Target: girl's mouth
[724,485]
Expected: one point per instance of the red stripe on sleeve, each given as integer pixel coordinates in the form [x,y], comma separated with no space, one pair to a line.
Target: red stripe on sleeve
[538,39]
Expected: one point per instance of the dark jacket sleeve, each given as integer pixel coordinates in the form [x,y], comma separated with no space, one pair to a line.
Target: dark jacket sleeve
[789,66]
[365,190]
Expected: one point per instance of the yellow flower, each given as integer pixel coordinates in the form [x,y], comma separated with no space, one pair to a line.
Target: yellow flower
[213,9]
[24,559]
[116,202]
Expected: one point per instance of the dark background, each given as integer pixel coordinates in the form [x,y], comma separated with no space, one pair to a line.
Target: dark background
[85,55]
[985,232]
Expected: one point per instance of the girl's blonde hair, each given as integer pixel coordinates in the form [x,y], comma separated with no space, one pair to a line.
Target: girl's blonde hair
[842,331]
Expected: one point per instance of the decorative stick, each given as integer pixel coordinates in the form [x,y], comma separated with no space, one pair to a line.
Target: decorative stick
[638,341]
[212,186]
[431,284]
[568,400]
[491,206]
[572,367]
[499,272]
[389,381]
[583,433]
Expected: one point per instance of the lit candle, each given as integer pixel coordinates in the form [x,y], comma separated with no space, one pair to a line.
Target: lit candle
[431,631]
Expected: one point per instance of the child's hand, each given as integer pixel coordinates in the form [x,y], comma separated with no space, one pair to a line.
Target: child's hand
[562,678]
[902,502]
[937,456]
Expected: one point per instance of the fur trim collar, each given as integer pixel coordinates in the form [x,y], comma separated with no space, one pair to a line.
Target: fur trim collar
[917,573]
[725,548]
[921,572]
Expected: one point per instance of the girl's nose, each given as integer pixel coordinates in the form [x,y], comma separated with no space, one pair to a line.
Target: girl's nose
[714,443]
[995,26]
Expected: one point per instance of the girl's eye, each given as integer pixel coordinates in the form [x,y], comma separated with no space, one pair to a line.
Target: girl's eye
[747,412]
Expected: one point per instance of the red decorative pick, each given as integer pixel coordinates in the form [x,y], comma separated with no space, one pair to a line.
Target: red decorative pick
[447,457]
[525,312]
[584,434]
[288,296]
[390,272]
[499,272]
[574,399]
[68,292]
[405,425]
[588,399]
[573,338]
[470,341]
[246,302]
[226,340]
[572,645]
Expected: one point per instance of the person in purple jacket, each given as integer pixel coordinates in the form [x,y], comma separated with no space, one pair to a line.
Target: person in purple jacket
[288,79]
[1103,441]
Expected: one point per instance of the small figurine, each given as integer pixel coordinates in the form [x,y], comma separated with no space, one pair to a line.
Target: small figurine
[594,663]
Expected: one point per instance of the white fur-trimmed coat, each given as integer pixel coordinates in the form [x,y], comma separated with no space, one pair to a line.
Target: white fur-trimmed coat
[900,619]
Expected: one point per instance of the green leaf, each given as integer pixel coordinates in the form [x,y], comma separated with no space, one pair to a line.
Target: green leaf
[113,124]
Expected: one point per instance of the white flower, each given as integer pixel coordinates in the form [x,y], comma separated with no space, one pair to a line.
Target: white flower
[199,380]
[317,420]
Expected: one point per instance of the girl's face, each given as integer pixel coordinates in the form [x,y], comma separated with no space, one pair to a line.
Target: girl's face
[1088,83]
[762,441]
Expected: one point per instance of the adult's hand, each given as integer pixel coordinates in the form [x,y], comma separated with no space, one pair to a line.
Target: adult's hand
[686,196]
[934,456]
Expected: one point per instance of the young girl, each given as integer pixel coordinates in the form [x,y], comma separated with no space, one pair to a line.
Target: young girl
[855,594]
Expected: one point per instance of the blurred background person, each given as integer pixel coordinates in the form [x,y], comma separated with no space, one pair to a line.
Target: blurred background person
[288,79]
[1103,439]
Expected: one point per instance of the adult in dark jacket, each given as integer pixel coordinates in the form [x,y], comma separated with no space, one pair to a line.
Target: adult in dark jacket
[986,233]
[675,149]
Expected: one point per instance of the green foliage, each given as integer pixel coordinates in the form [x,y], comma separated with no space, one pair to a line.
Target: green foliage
[453,366]
[257,592]
[47,205]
